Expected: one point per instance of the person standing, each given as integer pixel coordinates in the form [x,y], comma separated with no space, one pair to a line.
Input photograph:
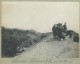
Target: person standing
[59,30]
[54,31]
[64,28]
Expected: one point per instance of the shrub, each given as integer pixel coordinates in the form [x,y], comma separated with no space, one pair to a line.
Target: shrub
[12,39]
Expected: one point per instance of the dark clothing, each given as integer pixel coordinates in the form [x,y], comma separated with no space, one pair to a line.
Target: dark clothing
[64,28]
[69,32]
[76,38]
[59,30]
[54,29]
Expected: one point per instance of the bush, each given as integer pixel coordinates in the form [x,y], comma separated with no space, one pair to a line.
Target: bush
[12,39]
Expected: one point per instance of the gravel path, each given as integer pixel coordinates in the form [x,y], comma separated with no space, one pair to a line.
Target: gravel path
[50,48]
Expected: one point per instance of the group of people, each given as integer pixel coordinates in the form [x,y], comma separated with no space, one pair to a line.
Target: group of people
[60,32]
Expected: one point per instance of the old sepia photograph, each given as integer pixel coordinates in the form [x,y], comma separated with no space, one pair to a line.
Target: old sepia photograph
[40,30]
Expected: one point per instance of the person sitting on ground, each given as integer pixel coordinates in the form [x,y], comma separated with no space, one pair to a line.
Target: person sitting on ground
[69,33]
[76,37]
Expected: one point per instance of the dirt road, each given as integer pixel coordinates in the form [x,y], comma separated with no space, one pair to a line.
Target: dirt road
[50,48]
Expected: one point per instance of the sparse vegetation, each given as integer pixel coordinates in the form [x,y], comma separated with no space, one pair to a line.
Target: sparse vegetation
[14,40]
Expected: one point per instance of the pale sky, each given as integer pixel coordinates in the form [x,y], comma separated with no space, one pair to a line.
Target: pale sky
[40,16]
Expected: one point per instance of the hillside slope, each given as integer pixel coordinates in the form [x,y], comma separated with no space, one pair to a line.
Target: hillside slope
[14,40]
